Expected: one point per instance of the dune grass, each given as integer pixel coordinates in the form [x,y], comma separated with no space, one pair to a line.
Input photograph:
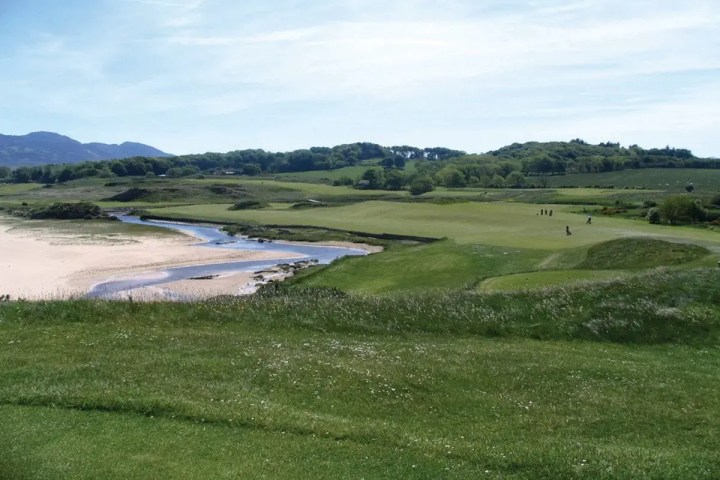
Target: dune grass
[81,231]
[623,384]
[639,253]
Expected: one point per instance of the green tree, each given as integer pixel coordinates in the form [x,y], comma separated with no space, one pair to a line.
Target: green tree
[21,175]
[451,177]
[251,169]
[65,175]
[375,177]
[653,216]
[497,182]
[421,184]
[515,180]
[394,180]
[681,209]
[118,168]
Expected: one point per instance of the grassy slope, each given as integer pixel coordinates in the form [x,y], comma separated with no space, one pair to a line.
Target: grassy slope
[441,265]
[332,388]
[487,240]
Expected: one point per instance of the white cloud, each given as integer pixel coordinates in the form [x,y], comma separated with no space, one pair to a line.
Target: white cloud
[505,69]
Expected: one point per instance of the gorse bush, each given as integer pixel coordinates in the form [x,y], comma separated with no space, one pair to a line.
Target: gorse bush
[248,204]
[68,211]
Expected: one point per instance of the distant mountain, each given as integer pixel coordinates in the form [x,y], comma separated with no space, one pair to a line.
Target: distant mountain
[39,148]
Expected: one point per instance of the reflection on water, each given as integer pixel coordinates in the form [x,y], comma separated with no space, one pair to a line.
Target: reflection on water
[213,237]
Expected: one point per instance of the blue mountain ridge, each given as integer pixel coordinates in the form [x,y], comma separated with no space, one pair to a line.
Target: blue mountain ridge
[40,148]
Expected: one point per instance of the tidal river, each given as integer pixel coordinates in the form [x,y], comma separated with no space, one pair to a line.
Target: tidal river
[213,237]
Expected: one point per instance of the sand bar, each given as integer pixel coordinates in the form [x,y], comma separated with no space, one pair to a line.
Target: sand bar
[44,263]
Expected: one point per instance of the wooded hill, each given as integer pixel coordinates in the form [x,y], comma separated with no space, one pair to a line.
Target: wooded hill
[531,158]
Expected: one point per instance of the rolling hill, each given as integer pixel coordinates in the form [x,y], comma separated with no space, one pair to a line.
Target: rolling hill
[39,148]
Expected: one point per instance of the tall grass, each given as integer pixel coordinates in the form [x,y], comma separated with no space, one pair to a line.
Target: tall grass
[661,306]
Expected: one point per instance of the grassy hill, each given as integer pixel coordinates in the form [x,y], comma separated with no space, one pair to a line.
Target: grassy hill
[445,386]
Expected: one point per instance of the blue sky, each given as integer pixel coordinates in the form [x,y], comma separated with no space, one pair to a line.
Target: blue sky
[192,76]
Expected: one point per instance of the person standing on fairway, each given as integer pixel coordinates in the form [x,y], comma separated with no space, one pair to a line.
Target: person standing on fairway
[567,230]
[589,220]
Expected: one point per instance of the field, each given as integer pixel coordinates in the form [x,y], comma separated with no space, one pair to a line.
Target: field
[665,179]
[497,223]
[503,349]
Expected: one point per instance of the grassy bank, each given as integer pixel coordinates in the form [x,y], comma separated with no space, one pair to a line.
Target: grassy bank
[617,382]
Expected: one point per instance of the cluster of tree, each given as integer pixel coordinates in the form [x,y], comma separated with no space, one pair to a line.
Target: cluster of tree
[577,156]
[511,166]
[377,178]
[679,209]
[245,162]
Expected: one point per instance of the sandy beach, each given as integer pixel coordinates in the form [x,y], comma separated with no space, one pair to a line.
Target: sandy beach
[49,263]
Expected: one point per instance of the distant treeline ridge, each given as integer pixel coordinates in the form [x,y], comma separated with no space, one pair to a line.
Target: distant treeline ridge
[531,158]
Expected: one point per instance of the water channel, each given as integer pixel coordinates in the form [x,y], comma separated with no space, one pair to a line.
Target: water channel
[213,237]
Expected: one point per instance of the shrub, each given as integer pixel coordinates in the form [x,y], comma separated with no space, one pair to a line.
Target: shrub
[681,208]
[653,216]
[69,211]
[421,185]
[247,205]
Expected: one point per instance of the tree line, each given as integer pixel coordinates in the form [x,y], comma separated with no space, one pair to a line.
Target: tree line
[242,162]
[510,166]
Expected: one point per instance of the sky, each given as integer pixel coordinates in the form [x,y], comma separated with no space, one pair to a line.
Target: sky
[190,76]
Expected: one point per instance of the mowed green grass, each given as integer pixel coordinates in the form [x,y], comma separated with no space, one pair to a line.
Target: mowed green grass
[443,265]
[448,265]
[547,279]
[267,389]
[504,224]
